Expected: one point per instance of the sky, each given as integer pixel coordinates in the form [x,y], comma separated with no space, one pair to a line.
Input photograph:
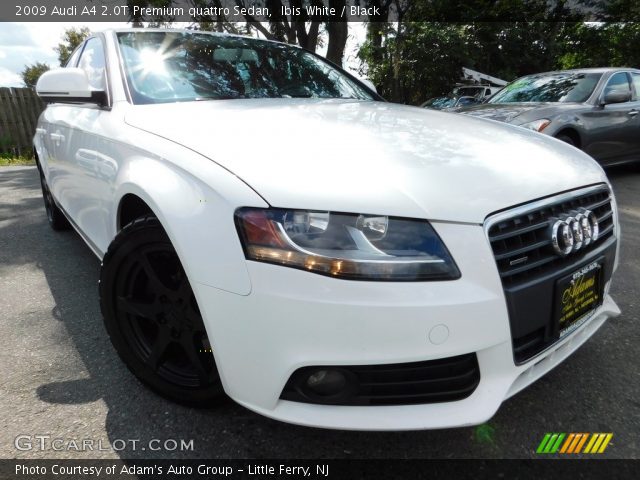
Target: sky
[27,43]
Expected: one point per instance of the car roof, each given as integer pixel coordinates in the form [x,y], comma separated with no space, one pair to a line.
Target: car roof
[589,70]
[187,30]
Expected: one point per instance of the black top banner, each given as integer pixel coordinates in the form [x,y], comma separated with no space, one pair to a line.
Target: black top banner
[167,11]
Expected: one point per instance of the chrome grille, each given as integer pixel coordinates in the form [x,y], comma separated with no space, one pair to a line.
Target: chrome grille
[521,242]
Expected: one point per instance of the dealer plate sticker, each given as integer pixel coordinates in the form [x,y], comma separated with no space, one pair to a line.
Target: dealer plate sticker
[577,295]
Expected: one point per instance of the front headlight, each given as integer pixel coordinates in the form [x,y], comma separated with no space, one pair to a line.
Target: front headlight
[346,245]
[537,125]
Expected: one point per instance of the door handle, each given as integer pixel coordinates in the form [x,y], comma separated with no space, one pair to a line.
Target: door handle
[633,113]
[41,131]
[57,138]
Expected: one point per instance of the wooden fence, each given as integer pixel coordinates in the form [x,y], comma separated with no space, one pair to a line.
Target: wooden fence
[19,111]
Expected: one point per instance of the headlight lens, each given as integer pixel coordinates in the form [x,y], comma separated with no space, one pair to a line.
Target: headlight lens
[537,125]
[346,245]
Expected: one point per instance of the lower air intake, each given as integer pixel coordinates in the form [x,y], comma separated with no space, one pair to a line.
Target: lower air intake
[433,381]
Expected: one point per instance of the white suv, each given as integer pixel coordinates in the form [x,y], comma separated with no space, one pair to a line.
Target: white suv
[272,230]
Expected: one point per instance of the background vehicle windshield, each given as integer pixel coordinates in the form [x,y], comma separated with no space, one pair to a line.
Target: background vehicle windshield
[468,91]
[440,102]
[173,66]
[554,87]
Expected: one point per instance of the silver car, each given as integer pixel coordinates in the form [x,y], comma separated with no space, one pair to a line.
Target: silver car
[593,109]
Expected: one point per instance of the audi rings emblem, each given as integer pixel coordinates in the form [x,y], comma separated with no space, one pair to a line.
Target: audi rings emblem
[574,231]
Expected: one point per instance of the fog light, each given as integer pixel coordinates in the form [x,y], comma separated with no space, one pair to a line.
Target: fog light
[326,382]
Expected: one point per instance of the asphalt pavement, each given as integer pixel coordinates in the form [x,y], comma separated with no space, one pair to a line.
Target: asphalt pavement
[61,379]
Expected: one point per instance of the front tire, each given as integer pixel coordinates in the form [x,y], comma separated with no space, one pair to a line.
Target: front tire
[152,317]
[566,139]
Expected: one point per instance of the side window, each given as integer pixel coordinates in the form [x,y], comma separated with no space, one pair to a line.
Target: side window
[73,59]
[92,62]
[635,78]
[618,83]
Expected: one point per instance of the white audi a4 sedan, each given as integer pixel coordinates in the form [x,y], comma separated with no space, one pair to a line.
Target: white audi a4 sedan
[271,230]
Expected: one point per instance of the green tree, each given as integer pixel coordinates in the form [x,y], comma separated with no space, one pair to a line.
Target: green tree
[31,73]
[602,45]
[411,60]
[512,49]
[417,60]
[71,38]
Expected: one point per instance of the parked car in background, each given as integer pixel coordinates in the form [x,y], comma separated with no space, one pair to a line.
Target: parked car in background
[461,96]
[449,103]
[270,229]
[479,92]
[593,109]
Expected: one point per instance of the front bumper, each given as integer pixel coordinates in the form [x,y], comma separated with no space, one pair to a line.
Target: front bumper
[292,319]
[500,379]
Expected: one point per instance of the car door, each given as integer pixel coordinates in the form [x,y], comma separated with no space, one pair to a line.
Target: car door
[610,128]
[634,113]
[89,170]
[51,132]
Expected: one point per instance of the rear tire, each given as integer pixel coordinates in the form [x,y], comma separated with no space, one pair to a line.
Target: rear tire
[152,317]
[56,218]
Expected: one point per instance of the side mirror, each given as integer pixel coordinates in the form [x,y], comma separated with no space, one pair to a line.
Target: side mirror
[616,96]
[68,85]
[369,84]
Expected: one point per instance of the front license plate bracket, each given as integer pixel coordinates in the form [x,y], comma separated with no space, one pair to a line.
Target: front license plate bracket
[577,295]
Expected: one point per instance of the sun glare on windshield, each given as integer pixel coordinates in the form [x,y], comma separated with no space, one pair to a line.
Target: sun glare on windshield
[171,67]
[152,61]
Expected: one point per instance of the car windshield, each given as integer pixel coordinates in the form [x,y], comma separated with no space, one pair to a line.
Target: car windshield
[468,91]
[553,87]
[165,67]
[440,102]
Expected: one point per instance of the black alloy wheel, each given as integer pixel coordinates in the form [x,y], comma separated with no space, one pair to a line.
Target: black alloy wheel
[152,317]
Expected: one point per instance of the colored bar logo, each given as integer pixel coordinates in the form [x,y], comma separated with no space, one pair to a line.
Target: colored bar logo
[574,443]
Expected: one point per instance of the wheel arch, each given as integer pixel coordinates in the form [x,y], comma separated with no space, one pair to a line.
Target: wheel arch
[197,218]
[573,134]
[130,207]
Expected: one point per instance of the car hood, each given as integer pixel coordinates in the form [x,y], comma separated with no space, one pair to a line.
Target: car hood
[372,157]
[517,113]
